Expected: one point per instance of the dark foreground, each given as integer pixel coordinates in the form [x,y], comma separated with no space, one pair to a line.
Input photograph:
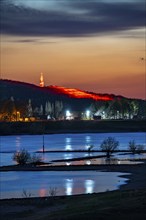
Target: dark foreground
[72,126]
[128,203]
[121,205]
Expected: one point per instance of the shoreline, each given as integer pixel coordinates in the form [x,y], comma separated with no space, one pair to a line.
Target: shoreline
[136,179]
[121,203]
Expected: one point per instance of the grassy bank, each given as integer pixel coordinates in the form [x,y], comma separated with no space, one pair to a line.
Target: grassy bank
[74,126]
[128,204]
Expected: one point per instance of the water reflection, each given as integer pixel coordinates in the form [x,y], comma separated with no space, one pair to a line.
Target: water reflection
[68,156]
[89,186]
[42,192]
[33,143]
[88,162]
[66,183]
[88,139]
[18,143]
[69,187]
[68,163]
[68,144]
[68,147]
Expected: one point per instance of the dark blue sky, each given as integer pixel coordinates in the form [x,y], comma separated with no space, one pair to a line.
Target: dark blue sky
[70,18]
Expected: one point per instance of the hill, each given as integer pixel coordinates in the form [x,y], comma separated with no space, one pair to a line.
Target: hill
[35,101]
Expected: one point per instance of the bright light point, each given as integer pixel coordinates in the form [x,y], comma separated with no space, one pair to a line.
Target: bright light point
[48,117]
[68,115]
[68,163]
[88,162]
[87,114]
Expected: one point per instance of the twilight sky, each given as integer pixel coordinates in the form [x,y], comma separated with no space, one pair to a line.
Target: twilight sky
[94,45]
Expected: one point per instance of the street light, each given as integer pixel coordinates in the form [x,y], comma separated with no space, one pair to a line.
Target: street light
[87,114]
[68,114]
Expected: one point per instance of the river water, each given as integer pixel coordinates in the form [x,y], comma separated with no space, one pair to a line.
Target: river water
[33,143]
[16,184]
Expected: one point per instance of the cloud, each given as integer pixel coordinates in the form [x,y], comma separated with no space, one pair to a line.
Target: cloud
[77,19]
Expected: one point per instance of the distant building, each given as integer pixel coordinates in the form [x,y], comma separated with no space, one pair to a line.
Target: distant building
[42,80]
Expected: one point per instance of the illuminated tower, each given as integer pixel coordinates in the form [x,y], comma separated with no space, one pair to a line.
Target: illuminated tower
[41,80]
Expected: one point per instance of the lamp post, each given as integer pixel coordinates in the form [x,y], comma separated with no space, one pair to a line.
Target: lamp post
[43,145]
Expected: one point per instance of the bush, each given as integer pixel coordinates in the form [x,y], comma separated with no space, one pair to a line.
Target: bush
[21,157]
[140,148]
[132,146]
[36,159]
[109,145]
[135,148]
[52,191]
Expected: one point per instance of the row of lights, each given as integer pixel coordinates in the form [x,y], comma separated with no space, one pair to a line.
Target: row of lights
[69,114]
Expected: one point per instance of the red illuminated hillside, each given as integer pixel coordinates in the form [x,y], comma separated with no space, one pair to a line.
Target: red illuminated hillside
[22,90]
[79,94]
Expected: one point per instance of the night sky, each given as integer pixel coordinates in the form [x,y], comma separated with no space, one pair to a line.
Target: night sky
[95,45]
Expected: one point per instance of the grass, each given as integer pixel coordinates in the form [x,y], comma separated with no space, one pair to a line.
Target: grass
[127,205]
[110,205]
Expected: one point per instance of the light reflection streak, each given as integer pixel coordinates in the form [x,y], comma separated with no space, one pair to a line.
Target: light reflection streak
[68,144]
[89,186]
[18,143]
[69,187]
[67,156]
[42,192]
[88,139]
[68,147]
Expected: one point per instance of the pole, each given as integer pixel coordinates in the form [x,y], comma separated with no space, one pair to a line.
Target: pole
[43,144]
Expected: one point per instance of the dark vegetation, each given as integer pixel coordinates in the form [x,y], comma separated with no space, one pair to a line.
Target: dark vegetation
[23,157]
[33,101]
[129,204]
[73,126]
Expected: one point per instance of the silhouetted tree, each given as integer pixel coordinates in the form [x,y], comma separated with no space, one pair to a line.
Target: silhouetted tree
[109,145]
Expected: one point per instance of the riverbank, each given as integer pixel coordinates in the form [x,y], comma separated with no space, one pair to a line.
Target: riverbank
[129,202]
[72,126]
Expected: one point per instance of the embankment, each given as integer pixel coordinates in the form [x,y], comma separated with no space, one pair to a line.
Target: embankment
[73,126]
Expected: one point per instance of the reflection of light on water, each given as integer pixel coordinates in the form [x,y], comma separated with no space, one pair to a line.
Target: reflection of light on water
[87,147]
[89,186]
[67,156]
[42,192]
[69,186]
[68,147]
[68,163]
[67,140]
[88,162]
[18,143]
[68,144]
[88,139]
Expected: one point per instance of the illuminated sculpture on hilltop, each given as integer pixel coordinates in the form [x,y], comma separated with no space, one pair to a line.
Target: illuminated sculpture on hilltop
[41,80]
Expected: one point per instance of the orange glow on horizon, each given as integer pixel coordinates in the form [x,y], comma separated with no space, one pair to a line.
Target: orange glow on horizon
[79,94]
